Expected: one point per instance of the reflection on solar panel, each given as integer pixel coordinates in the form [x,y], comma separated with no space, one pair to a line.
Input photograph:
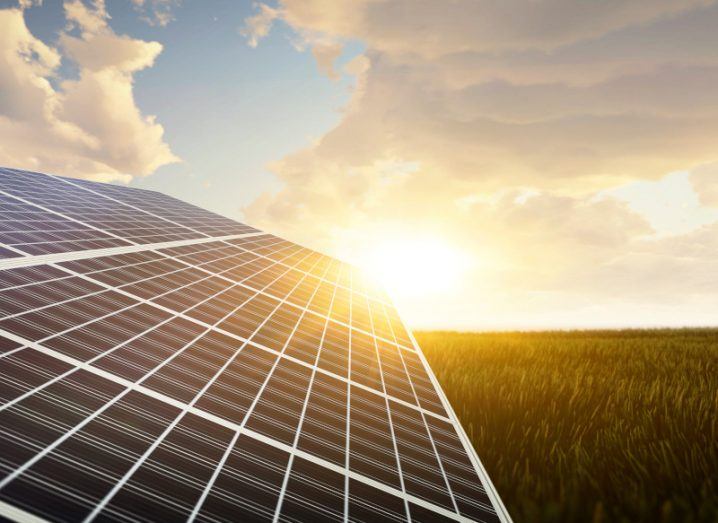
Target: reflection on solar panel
[159,362]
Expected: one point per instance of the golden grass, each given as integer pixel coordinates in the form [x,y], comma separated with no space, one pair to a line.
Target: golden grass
[590,426]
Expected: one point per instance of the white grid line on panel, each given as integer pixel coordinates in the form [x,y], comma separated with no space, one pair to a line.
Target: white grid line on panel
[249,412]
[31,283]
[221,274]
[308,393]
[389,418]
[108,497]
[33,231]
[311,311]
[13,249]
[139,300]
[69,300]
[210,274]
[138,387]
[215,474]
[13,351]
[69,274]
[42,259]
[78,326]
[391,327]
[14,513]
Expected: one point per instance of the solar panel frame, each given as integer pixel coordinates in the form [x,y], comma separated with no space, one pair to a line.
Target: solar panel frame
[365,360]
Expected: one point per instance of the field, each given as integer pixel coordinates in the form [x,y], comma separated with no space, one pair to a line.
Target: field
[590,426]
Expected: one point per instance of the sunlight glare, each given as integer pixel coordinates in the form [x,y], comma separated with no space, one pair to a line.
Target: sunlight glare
[413,268]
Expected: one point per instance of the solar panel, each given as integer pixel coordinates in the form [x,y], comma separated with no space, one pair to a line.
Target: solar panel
[159,362]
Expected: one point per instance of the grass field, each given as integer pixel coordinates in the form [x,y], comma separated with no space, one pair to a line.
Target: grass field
[590,426]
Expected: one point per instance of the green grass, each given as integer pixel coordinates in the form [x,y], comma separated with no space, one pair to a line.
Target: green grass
[589,426]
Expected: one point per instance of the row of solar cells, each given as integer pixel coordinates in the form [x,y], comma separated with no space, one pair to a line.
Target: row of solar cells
[221,275]
[104,428]
[41,214]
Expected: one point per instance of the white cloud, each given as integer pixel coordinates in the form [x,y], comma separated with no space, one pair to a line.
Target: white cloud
[705,181]
[325,50]
[89,19]
[326,55]
[26,4]
[156,12]
[258,26]
[90,126]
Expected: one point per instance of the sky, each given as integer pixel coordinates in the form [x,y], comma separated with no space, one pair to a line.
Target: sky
[498,165]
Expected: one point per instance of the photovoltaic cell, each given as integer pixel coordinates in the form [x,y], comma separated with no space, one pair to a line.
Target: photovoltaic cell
[8,253]
[7,345]
[229,375]
[313,493]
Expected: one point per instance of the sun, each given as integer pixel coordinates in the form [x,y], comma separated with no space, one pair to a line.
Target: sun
[415,267]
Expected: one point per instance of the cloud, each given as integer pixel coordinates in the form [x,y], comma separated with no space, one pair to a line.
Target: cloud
[258,26]
[87,127]
[705,181]
[156,12]
[433,29]
[499,124]
[90,19]
[326,54]
[435,91]
[26,4]
[325,49]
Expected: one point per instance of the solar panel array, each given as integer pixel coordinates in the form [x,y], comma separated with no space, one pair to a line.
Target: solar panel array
[159,362]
